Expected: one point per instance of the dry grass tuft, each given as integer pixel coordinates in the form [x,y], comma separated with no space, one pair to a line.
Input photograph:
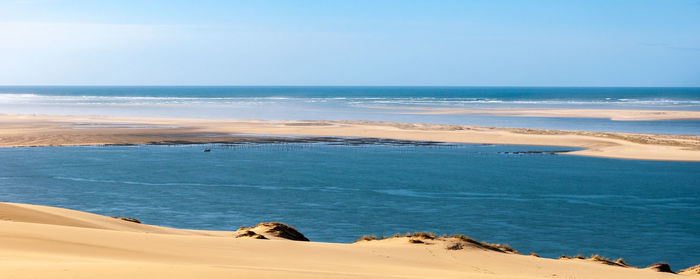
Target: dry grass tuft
[464,238]
[366,238]
[416,241]
[601,259]
[498,247]
[597,258]
[485,245]
[424,235]
[621,262]
[456,246]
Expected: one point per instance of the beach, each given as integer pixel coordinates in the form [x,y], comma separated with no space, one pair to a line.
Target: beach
[47,242]
[45,130]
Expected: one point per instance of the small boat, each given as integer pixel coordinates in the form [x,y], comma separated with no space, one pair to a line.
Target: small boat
[207,150]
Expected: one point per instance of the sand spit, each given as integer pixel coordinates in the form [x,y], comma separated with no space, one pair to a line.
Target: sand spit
[612,114]
[38,130]
[47,242]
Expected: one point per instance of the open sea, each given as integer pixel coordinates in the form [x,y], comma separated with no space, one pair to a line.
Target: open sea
[525,196]
[359,103]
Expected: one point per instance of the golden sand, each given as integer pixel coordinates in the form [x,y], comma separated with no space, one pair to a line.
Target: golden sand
[39,130]
[47,242]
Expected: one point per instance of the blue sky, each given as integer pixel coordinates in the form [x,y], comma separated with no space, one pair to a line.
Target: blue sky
[477,43]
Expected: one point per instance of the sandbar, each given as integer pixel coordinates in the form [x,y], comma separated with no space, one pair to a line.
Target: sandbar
[50,130]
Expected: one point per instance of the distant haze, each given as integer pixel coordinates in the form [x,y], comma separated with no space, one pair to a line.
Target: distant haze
[425,43]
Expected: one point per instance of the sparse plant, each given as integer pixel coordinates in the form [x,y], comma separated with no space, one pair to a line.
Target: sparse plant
[456,246]
[507,248]
[464,238]
[366,238]
[597,257]
[425,235]
[621,262]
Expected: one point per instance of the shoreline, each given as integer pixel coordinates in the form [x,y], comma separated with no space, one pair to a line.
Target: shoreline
[612,114]
[42,241]
[47,130]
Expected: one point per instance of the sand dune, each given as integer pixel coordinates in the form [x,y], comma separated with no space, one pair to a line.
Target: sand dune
[37,130]
[65,217]
[46,242]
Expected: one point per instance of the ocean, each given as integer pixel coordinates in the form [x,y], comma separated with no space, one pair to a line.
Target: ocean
[359,103]
[643,211]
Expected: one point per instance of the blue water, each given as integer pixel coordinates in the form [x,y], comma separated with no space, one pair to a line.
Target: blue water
[643,211]
[669,95]
[360,103]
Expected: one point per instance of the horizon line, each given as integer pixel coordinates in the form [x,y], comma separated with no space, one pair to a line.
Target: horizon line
[424,86]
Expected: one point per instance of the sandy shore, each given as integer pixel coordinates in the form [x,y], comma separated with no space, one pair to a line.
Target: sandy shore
[47,242]
[612,114]
[39,130]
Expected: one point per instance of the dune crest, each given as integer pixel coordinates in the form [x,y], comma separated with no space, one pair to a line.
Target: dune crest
[48,242]
[452,242]
[693,270]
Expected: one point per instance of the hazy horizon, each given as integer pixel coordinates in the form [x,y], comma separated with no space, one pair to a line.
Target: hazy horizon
[312,85]
[359,43]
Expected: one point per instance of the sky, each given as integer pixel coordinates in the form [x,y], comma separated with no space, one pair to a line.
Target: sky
[379,42]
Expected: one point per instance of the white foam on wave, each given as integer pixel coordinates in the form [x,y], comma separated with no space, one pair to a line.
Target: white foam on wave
[29,98]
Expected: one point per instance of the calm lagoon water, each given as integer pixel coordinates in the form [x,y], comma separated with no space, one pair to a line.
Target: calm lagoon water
[643,211]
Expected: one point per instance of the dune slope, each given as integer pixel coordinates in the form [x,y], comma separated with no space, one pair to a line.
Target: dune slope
[46,242]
